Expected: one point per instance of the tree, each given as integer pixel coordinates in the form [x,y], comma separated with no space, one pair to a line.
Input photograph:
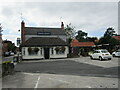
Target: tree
[70,32]
[109,32]
[103,40]
[107,38]
[81,37]
[0,29]
[10,46]
[113,41]
[91,39]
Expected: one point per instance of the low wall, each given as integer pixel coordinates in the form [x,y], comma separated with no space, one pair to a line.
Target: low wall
[7,68]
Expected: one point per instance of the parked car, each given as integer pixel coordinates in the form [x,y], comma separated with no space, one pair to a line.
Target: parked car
[116,53]
[6,54]
[11,53]
[101,54]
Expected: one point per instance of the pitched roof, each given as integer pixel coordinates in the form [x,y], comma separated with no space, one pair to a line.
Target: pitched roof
[35,30]
[76,43]
[116,37]
[44,41]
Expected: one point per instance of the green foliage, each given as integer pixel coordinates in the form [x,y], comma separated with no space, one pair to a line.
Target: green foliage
[57,49]
[81,36]
[36,49]
[91,39]
[107,38]
[70,31]
[109,32]
[62,48]
[113,41]
[69,40]
[11,47]
[104,40]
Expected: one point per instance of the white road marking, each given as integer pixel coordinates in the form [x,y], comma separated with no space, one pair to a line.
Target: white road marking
[58,80]
[30,74]
[88,86]
[36,85]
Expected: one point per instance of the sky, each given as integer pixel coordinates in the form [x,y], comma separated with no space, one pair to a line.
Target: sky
[91,17]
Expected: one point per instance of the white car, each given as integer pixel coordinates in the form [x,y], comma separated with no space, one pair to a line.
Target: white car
[116,53]
[101,54]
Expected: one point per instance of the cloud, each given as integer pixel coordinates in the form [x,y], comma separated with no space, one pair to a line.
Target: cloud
[88,16]
[10,37]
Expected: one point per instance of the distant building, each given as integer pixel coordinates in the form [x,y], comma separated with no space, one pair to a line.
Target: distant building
[81,47]
[43,43]
[116,37]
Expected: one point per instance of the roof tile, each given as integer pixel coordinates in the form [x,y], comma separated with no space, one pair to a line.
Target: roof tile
[44,41]
[76,43]
[35,30]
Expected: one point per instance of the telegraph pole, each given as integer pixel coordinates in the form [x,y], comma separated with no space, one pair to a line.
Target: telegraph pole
[0,44]
[0,32]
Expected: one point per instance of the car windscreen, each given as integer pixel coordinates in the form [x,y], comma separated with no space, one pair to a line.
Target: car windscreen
[104,51]
[117,51]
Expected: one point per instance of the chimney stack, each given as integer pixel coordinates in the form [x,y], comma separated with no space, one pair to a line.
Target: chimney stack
[22,32]
[62,25]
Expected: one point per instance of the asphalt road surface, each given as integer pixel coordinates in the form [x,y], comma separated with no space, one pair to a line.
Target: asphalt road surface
[64,73]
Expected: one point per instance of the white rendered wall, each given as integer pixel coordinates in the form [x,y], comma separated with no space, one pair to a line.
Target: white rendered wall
[27,56]
[39,56]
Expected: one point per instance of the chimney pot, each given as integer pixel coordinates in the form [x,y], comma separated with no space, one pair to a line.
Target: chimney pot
[62,25]
[22,32]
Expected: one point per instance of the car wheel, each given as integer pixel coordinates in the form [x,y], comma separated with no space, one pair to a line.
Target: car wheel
[100,58]
[91,57]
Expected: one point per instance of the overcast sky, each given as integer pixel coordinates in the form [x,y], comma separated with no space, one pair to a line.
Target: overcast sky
[91,17]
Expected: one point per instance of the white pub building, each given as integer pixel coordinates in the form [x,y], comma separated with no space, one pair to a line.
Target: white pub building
[43,43]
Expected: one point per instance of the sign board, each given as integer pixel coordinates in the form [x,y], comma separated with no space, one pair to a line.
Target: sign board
[43,33]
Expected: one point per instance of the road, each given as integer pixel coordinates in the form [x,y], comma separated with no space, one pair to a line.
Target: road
[64,73]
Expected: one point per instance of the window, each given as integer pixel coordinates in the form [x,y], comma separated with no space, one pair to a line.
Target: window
[33,51]
[60,50]
[105,51]
[96,51]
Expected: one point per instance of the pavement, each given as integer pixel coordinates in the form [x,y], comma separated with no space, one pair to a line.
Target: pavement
[10,58]
[32,80]
[64,73]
